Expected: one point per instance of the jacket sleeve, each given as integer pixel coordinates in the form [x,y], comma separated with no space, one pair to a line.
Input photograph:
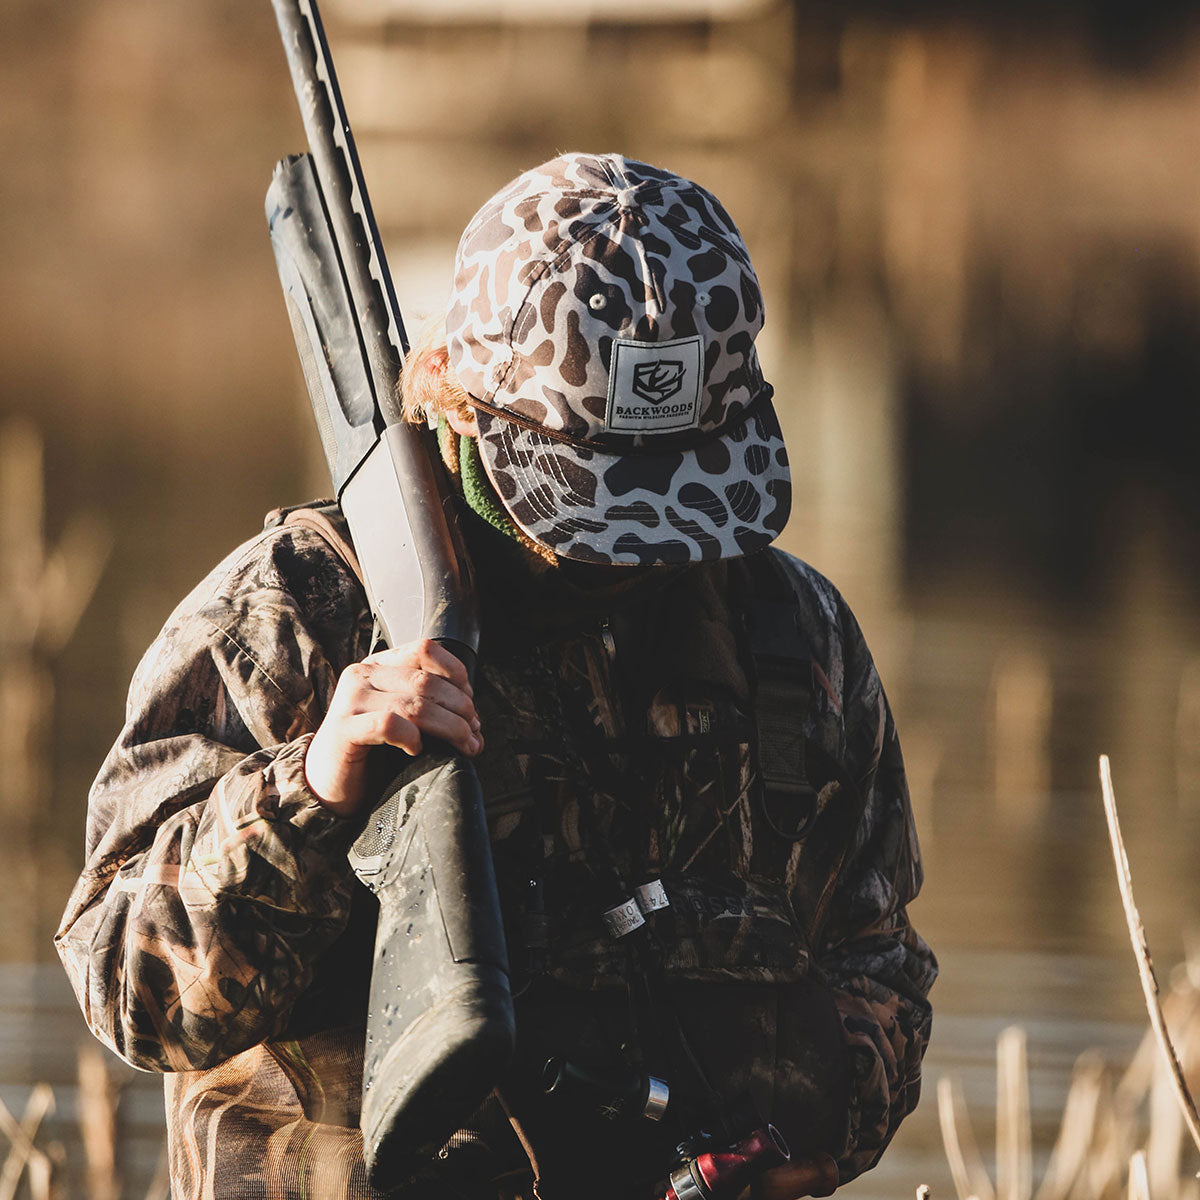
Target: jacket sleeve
[213,876]
[877,966]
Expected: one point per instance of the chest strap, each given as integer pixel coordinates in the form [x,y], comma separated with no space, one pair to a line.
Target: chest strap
[783,693]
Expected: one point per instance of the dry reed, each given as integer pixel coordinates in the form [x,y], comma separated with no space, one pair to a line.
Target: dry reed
[98,1098]
[1137,935]
[25,1158]
[1115,1140]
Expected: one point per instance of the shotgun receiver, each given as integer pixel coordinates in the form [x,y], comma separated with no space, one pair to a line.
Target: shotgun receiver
[440,1028]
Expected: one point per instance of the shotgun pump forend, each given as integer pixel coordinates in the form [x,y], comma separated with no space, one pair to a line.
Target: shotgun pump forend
[387,478]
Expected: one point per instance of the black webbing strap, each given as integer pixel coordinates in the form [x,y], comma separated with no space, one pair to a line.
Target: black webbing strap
[783,690]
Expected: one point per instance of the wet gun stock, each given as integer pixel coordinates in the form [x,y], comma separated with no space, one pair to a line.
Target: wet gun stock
[440,1027]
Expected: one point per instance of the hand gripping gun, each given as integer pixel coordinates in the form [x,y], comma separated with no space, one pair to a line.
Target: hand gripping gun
[440,1027]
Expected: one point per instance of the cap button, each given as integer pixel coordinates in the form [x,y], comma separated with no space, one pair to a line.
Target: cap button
[626,197]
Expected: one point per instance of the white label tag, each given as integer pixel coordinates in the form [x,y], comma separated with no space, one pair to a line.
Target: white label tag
[654,387]
[652,896]
[623,919]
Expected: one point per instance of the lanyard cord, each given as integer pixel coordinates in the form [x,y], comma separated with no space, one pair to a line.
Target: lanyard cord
[643,948]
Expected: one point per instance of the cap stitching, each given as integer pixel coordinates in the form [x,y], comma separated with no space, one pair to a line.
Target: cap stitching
[553,262]
[550,263]
[566,244]
[662,443]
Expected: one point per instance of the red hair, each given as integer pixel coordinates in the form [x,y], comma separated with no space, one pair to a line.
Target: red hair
[428,385]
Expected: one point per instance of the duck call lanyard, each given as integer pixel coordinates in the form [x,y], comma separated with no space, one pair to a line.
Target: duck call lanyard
[657,1036]
[627,911]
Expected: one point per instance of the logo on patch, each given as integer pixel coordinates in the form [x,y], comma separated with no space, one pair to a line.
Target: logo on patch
[655,387]
[658,380]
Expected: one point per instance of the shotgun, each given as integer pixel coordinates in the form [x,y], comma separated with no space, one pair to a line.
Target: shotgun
[440,1028]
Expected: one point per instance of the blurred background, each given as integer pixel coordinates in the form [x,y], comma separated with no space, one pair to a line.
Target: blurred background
[976,225]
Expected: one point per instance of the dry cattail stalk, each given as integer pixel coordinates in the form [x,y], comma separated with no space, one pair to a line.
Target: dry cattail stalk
[1014,1134]
[1137,935]
[25,1156]
[41,1174]
[1077,1132]
[1139,1182]
[1164,1145]
[966,1166]
[98,1123]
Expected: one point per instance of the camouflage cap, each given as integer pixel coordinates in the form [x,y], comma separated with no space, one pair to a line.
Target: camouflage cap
[603,323]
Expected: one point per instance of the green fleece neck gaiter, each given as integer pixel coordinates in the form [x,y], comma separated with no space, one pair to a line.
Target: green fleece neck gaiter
[525,584]
[477,489]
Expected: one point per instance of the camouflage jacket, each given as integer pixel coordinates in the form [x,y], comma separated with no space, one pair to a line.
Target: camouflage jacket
[217,934]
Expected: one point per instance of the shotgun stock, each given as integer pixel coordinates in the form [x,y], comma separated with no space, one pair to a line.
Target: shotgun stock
[440,1027]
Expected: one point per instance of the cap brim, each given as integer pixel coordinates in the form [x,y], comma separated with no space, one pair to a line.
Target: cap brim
[726,497]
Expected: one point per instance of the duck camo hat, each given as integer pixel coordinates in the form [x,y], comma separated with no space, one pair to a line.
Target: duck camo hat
[603,323]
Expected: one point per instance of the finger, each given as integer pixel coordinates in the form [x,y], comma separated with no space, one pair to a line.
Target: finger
[382,727]
[433,657]
[413,692]
[431,718]
[353,684]
[389,679]
[816,1176]
[433,689]
[425,654]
